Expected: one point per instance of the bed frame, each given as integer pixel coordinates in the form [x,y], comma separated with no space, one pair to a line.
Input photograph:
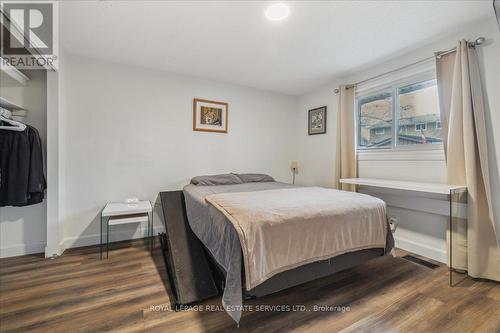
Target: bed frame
[195,275]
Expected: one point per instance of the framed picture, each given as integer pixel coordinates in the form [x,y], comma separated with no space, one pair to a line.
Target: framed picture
[317,121]
[209,116]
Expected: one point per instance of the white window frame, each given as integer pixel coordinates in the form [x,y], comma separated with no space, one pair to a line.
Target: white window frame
[419,73]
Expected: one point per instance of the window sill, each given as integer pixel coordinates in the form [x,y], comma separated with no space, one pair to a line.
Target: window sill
[433,153]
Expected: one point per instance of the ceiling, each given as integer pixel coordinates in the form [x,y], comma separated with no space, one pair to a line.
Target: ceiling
[232,41]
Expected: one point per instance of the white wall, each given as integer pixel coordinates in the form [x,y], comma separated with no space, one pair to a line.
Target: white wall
[54,231]
[128,133]
[316,153]
[420,232]
[23,229]
[55,171]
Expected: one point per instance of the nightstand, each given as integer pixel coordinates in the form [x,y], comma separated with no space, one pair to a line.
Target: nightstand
[117,213]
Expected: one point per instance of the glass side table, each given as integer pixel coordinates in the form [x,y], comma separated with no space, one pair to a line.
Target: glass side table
[117,213]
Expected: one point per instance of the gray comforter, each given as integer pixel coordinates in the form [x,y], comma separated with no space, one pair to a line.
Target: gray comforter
[220,237]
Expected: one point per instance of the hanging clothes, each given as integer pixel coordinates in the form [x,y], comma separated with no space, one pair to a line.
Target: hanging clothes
[22,179]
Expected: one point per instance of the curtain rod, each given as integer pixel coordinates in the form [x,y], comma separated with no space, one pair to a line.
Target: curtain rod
[438,55]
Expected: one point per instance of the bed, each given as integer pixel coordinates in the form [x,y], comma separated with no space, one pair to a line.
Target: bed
[263,236]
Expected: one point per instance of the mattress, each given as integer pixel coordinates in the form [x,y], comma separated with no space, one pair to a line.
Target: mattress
[287,228]
[220,237]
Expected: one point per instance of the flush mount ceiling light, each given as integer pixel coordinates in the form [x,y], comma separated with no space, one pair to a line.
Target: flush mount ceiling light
[277,12]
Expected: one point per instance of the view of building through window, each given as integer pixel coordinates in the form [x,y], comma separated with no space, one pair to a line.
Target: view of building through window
[375,120]
[417,117]
[419,121]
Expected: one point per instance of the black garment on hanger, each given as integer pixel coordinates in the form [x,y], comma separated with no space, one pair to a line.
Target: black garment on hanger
[22,179]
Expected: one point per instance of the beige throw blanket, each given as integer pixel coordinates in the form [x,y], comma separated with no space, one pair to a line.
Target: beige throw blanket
[286,228]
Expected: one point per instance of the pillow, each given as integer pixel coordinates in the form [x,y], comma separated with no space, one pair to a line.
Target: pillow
[254,177]
[225,179]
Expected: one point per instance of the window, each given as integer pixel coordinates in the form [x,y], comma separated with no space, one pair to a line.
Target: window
[405,114]
[421,127]
[418,108]
[375,116]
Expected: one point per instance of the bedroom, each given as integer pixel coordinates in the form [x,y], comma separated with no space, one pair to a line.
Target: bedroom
[278,104]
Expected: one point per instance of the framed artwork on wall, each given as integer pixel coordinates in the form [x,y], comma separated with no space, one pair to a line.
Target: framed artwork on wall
[210,116]
[317,121]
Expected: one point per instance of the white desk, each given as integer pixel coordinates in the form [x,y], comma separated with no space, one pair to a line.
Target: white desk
[434,188]
[120,208]
[404,185]
[116,213]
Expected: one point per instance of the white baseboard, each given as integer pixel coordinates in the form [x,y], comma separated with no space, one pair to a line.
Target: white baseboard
[421,249]
[425,250]
[70,242]
[115,236]
[21,249]
[57,251]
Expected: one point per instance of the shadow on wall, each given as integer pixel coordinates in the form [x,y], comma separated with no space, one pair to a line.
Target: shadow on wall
[91,234]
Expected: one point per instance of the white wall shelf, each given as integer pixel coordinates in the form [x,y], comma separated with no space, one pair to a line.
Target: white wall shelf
[13,73]
[455,208]
[11,106]
[404,185]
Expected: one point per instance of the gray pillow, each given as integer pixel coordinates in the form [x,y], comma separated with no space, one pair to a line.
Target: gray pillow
[254,177]
[225,179]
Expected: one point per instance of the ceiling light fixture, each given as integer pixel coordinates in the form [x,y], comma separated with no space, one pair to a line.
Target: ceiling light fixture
[277,12]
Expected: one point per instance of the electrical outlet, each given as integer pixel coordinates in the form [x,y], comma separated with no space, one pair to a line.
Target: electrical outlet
[393,223]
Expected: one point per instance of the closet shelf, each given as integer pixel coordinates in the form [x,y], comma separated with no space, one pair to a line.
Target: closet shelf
[6,104]
[13,73]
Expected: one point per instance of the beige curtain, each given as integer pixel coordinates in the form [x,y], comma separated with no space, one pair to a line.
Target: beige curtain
[345,163]
[462,116]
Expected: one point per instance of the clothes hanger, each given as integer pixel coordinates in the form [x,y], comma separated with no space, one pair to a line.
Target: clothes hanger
[9,124]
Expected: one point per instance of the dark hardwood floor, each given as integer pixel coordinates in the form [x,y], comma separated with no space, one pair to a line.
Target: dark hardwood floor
[130,293]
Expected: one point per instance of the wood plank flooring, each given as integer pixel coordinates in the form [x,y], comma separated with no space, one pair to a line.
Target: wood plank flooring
[130,293]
